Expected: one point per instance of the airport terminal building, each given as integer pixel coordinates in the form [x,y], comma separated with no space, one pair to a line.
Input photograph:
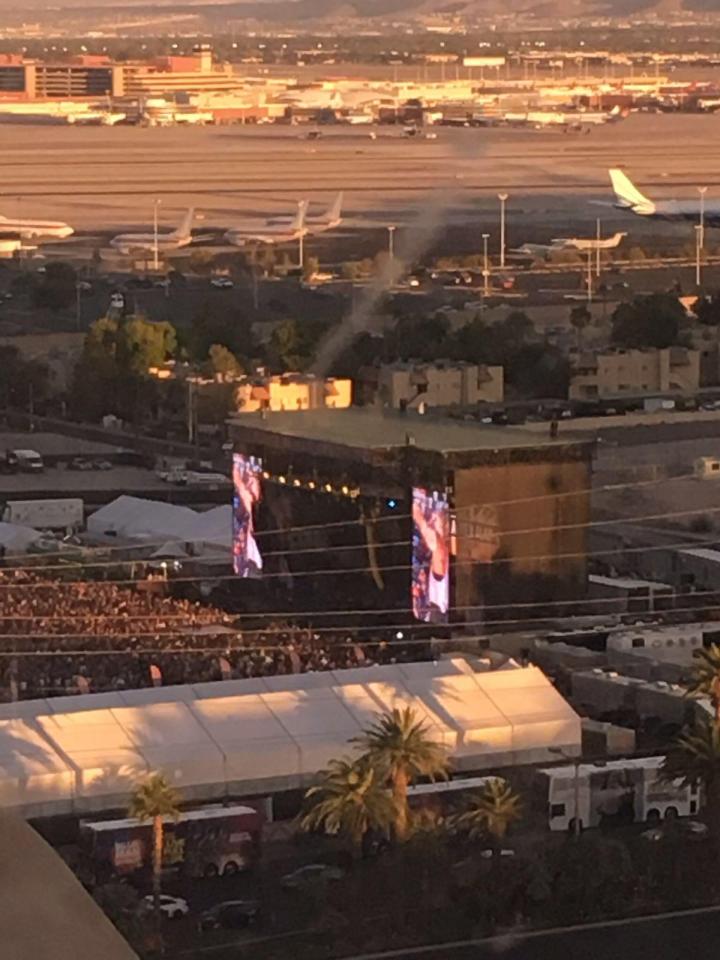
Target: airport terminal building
[424,517]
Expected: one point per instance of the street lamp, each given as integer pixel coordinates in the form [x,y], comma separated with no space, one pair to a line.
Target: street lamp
[702,191]
[155,235]
[598,238]
[589,276]
[502,197]
[698,250]
[577,819]
[391,243]
[486,265]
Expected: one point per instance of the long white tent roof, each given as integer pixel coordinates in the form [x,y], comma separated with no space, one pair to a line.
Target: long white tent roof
[86,753]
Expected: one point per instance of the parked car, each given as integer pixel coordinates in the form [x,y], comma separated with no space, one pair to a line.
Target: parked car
[312,873]
[222,283]
[230,915]
[171,907]
[80,463]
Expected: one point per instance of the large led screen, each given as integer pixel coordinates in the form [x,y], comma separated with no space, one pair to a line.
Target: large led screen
[430,556]
[247,493]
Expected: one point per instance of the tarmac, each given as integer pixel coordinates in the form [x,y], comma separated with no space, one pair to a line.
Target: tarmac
[104,180]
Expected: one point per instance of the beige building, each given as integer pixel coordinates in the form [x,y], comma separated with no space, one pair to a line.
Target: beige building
[440,384]
[292,391]
[620,373]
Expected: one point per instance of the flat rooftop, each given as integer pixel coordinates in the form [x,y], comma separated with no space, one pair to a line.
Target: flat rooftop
[368,429]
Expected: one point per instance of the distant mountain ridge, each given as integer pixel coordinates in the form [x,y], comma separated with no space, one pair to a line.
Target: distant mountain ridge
[306,10]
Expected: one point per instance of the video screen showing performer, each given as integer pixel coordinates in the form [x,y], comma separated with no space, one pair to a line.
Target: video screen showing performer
[247,493]
[430,556]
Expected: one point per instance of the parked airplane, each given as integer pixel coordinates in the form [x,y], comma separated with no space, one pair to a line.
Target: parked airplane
[32,229]
[628,197]
[317,223]
[566,119]
[270,232]
[146,242]
[569,243]
[588,243]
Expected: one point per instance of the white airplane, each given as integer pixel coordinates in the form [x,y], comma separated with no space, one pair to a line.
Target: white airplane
[146,242]
[269,232]
[31,229]
[317,223]
[628,197]
[569,243]
[588,243]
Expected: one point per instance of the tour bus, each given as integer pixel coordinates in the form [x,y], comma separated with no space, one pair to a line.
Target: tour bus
[614,792]
[208,842]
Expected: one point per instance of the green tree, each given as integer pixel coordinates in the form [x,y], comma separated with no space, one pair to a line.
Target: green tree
[651,321]
[222,361]
[580,317]
[694,759]
[21,381]
[350,799]
[211,326]
[142,343]
[490,812]
[707,310]
[705,679]
[538,370]
[154,800]
[57,289]
[398,745]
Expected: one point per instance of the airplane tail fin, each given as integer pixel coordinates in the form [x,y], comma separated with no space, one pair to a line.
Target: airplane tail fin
[335,208]
[626,193]
[299,220]
[184,230]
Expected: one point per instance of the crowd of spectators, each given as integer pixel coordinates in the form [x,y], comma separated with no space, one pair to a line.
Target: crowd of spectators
[61,638]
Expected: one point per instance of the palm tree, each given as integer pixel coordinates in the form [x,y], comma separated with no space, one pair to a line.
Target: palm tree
[351,799]
[490,812]
[398,746]
[153,800]
[705,681]
[694,759]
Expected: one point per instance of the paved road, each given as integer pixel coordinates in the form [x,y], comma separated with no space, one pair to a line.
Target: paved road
[692,936]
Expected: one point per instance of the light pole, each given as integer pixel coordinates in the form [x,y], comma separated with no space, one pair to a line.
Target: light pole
[577,819]
[598,238]
[391,243]
[502,197]
[155,236]
[589,276]
[698,249]
[702,191]
[301,243]
[486,265]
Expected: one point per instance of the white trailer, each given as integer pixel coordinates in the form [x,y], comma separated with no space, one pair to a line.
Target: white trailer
[619,791]
[61,514]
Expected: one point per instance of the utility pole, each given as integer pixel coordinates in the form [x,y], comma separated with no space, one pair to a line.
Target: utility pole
[589,276]
[698,250]
[598,237]
[502,197]
[155,236]
[702,191]
[486,265]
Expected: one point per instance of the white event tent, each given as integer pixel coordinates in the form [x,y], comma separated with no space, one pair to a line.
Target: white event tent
[261,736]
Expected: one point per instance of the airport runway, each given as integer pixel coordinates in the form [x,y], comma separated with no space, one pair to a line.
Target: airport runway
[103,179]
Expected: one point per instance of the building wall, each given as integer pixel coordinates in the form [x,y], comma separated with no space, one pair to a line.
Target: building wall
[277,394]
[440,386]
[673,370]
